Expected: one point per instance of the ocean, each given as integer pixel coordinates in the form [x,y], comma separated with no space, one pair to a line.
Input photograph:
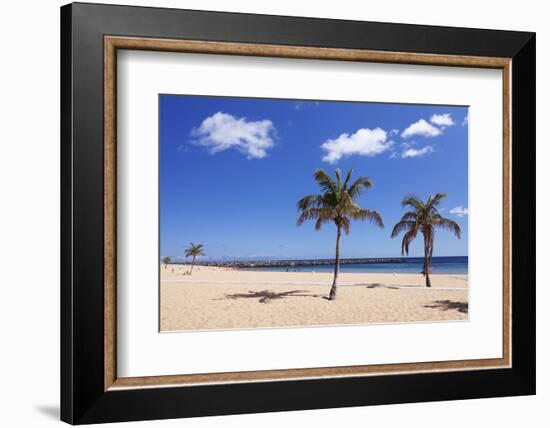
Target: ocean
[447,265]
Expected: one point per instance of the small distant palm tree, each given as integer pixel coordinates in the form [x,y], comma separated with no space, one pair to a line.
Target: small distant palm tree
[166,260]
[424,218]
[194,250]
[336,204]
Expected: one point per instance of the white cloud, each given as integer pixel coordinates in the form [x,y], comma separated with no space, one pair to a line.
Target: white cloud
[393,155]
[393,132]
[442,119]
[365,142]
[223,131]
[406,145]
[465,121]
[413,153]
[421,128]
[459,211]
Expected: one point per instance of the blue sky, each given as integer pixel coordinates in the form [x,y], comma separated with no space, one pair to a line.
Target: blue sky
[232,170]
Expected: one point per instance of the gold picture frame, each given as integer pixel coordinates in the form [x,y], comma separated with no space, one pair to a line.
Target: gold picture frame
[114,43]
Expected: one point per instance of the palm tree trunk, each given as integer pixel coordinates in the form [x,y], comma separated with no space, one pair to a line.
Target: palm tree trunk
[431,253]
[332,295]
[428,280]
[192,264]
[427,260]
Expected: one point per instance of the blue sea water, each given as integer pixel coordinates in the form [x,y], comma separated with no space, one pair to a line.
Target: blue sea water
[447,265]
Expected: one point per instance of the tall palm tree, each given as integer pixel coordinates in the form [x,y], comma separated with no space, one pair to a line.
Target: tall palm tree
[423,217]
[336,204]
[194,250]
[166,260]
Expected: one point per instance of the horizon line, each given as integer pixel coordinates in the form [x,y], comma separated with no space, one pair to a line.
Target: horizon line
[294,259]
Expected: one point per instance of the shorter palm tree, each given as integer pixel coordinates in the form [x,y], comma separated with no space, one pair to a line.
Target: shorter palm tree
[424,217]
[194,250]
[166,260]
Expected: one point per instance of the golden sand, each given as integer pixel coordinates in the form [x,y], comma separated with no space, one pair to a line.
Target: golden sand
[224,298]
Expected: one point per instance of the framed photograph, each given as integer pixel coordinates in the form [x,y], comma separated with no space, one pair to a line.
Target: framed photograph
[266,213]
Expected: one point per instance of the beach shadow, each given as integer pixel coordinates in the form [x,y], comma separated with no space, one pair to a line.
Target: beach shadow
[391,287]
[446,305]
[266,296]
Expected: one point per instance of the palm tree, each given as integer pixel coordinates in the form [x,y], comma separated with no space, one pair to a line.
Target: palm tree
[424,217]
[166,260]
[336,204]
[194,250]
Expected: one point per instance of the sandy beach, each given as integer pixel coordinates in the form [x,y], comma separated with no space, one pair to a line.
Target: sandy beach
[225,298]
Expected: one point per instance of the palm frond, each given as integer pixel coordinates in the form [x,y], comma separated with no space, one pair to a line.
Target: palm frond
[410,216]
[447,224]
[310,201]
[324,180]
[358,186]
[345,223]
[325,214]
[348,177]
[423,217]
[407,239]
[194,250]
[435,200]
[338,178]
[320,221]
[412,201]
[366,214]
[402,226]
[336,203]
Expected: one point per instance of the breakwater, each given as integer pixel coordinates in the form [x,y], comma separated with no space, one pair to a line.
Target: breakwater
[296,263]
